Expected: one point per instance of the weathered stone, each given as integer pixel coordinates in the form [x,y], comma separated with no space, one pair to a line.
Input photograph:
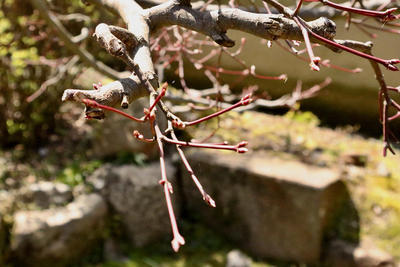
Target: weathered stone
[137,198]
[44,194]
[269,206]
[58,236]
[236,258]
[344,254]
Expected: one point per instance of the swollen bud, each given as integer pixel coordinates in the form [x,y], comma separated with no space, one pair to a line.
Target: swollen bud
[242,144]
[246,97]
[209,200]
[178,124]
[314,67]
[164,89]
[177,242]
[246,100]
[390,64]
[392,67]
[169,187]
[242,150]
[137,135]
[96,86]
[316,60]
[283,77]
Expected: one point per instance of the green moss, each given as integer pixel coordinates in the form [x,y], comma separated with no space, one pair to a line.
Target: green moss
[76,172]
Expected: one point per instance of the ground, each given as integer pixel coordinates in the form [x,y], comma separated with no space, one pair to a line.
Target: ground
[373,180]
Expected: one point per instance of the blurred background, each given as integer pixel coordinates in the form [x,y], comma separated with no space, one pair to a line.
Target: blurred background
[314,189]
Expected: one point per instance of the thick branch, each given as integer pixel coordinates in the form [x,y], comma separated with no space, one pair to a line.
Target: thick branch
[132,14]
[215,23]
[309,12]
[110,94]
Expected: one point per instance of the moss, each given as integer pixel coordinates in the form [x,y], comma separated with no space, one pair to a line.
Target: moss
[76,172]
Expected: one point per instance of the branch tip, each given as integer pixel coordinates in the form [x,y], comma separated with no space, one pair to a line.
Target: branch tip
[241,150]
[209,200]
[177,242]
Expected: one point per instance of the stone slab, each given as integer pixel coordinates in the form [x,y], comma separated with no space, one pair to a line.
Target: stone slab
[270,207]
[135,195]
[58,236]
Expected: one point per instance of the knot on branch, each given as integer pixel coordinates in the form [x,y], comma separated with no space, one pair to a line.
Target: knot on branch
[110,42]
[274,26]
[152,78]
[323,27]
[127,37]
[222,39]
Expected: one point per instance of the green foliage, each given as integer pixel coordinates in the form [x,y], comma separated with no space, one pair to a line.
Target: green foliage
[20,76]
[303,117]
[129,158]
[79,169]
[76,172]
[30,53]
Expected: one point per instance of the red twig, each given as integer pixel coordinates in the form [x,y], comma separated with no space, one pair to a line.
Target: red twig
[243,102]
[94,104]
[178,239]
[296,11]
[158,98]
[244,73]
[140,137]
[389,64]
[314,61]
[384,15]
[240,148]
[206,197]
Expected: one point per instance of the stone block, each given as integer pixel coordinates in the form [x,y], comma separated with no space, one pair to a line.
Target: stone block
[58,236]
[45,194]
[269,206]
[135,195]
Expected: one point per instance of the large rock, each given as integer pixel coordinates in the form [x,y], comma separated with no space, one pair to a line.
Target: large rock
[58,236]
[270,207]
[135,195]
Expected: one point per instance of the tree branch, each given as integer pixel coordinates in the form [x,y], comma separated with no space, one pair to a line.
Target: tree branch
[215,23]
[66,37]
